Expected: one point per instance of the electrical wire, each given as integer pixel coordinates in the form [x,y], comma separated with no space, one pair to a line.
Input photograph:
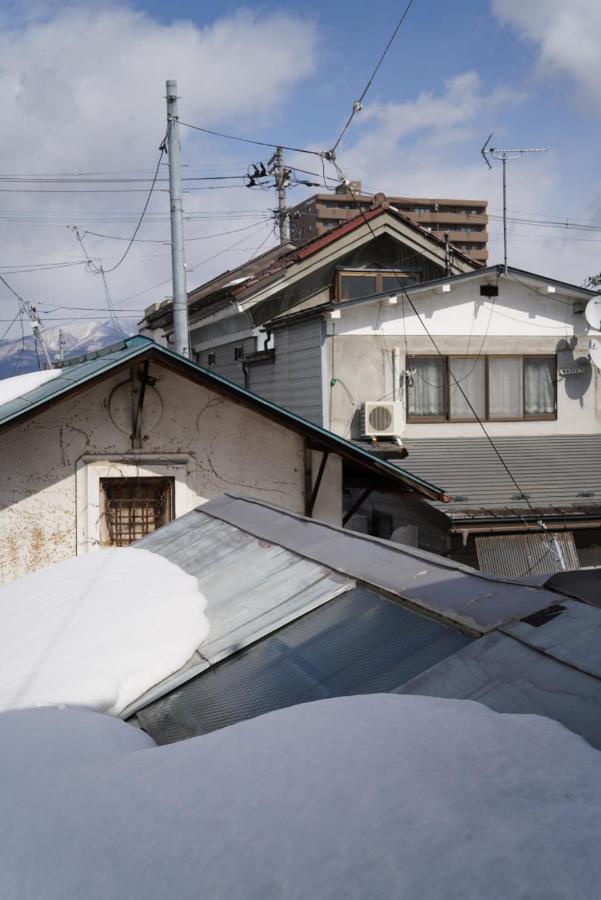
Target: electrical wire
[202,237]
[231,137]
[162,150]
[357,104]
[442,357]
[192,267]
[19,313]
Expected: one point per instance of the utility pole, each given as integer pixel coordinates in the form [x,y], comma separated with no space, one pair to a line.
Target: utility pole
[61,346]
[281,175]
[178,263]
[36,327]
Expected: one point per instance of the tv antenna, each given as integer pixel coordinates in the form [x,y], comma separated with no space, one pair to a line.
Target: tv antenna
[489,153]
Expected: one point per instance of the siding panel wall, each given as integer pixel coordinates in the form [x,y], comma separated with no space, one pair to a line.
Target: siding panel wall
[293,379]
[225,362]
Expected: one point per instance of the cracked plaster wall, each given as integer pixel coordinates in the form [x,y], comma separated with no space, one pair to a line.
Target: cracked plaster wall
[230,448]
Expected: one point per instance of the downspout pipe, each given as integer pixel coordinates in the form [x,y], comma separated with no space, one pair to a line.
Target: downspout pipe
[396,373]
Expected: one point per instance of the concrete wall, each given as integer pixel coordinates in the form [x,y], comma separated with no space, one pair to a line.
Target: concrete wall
[52,463]
[359,345]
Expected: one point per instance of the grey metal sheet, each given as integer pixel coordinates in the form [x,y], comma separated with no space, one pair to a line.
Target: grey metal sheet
[252,586]
[358,643]
[552,470]
[513,554]
[458,593]
[573,635]
[584,584]
[510,677]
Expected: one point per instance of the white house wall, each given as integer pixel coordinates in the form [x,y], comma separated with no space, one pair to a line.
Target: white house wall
[209,443]
[519,321]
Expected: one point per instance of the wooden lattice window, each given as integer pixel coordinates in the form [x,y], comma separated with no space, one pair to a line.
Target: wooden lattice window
[134,507]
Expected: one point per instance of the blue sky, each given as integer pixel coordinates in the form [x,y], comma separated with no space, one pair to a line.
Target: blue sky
[82,91]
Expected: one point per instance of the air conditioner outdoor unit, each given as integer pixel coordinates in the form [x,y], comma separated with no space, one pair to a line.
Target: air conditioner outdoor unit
[381,419]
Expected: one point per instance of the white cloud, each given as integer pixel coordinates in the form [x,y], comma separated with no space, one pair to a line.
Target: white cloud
[429,147]
[82,89]
[568,35]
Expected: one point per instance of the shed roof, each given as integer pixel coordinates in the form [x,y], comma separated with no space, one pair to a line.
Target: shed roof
[81,371]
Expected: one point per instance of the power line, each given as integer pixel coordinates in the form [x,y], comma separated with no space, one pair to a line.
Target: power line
[442,357]
[231,137]
[192,267]
[357,105]
[140,220]
[202,237]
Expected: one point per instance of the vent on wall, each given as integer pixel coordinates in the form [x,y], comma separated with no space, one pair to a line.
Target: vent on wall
[381,419]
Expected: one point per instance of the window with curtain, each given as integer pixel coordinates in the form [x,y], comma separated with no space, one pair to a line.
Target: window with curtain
[467,387]
[498,388]
[427,393]
[505,387]
[539,386]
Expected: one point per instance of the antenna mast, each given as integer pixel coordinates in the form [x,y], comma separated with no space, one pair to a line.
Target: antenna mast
[489,153]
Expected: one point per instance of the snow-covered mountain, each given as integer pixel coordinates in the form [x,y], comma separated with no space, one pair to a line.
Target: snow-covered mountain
[18,355]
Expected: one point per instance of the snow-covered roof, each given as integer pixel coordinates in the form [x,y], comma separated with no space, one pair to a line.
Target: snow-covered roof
[97,631]
[20,385]
[359,797]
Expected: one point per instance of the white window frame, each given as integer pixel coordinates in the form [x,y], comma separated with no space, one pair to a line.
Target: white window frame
[90,469]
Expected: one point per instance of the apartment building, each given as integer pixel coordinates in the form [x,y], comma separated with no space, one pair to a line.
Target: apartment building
[465,221]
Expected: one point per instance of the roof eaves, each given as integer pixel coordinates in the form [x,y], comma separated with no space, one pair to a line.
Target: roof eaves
[320,435]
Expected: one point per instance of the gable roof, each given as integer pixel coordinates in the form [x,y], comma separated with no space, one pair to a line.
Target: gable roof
[259,272]
[310,308]
[79,372]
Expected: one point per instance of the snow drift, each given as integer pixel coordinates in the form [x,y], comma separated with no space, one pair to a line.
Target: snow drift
[97,631]
[381,796]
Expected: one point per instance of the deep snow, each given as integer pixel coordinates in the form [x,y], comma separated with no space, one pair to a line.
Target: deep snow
[383,796]
[97,631]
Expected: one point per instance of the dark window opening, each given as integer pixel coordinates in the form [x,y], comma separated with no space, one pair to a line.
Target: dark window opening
[238,353]
[210,359]
[355,285]
[134,507]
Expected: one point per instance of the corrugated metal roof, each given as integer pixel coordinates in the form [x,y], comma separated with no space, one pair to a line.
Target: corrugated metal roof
[441,587]
[505,554]
[555,471]
[83,369]
[358,643]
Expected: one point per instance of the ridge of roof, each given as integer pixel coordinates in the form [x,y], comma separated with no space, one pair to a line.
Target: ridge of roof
[304,251]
